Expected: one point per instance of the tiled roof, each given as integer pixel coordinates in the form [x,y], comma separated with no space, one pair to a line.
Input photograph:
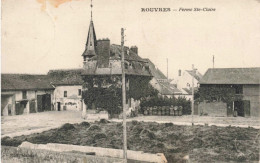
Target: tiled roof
[138,65]
[168,89]
[41,82]
[25,82]
[231,76]
[196,75]
[66,76]
[189,90]
[155,71]
[115,53]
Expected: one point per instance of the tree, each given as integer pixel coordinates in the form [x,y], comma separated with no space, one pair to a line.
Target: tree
[106,91]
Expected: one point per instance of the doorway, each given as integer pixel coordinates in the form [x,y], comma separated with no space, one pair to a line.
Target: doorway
[242,108]
[238,106]
[58,106]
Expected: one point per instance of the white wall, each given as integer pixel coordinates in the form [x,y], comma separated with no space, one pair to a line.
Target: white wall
[72,101]
[185,79]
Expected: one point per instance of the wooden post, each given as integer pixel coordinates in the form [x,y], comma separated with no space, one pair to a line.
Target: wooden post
[192,99]
[167,71]
[123,96]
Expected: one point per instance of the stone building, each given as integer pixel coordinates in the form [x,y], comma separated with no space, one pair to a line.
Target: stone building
[245,81]
[68,89]
[25,93]
[103,59]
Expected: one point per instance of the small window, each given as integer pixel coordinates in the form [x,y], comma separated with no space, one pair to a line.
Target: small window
[24,95]
[126,66]
[79,92]
[65,93]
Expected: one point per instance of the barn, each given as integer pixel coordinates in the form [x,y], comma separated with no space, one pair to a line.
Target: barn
[245,82]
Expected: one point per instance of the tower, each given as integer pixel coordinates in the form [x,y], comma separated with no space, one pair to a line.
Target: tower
[90,49]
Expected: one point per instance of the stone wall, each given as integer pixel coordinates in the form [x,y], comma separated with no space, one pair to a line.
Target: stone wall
[218,109]
[135,156]
[17,155]
[252,93]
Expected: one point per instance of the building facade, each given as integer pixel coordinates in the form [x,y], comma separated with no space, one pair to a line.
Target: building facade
[245,82]
[24,94]
[184,82]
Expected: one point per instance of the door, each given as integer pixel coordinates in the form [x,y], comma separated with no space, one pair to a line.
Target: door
[58,106]
[230,109]
[246,105]
[238,106]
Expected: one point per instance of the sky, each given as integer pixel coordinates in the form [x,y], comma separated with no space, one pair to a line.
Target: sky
[39,35]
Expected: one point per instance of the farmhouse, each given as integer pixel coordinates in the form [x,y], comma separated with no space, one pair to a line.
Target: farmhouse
[246,85]
[102,66]
[27,93]
[24,93]
[68,89]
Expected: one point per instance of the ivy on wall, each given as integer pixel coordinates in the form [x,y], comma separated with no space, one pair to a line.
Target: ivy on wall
[224,93]
[106,91]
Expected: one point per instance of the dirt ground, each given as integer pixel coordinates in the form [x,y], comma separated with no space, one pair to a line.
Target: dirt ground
[199,143]
[22,124]
[38,122]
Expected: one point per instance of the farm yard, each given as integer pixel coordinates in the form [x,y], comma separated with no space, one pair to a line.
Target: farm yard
[199,143]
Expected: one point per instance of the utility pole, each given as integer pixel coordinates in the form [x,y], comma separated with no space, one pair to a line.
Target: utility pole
[192,99]
[123,96]
[213,61]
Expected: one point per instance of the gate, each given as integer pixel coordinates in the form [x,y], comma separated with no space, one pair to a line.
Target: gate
[44,102]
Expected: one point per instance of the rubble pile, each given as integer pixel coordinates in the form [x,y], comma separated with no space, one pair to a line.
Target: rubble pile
[198,143]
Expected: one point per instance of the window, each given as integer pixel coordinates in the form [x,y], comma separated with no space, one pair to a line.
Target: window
[24,95]
[79,92]
[65,93]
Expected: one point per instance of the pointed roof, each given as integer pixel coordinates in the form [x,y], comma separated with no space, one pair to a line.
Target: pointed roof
[91,44]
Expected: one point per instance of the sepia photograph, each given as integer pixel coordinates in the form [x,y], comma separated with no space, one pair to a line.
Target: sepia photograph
[130,81]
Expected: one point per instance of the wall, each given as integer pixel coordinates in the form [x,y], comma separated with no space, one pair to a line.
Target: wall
[252,93]
[6,100]
[17,96]
[156,84]
[17,155]
[185,78]
[218,109]
[90,64]
[137,156]
[72,101]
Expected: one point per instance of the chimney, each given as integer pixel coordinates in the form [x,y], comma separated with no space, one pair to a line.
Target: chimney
[134,49]
[179,72]
[103,53]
